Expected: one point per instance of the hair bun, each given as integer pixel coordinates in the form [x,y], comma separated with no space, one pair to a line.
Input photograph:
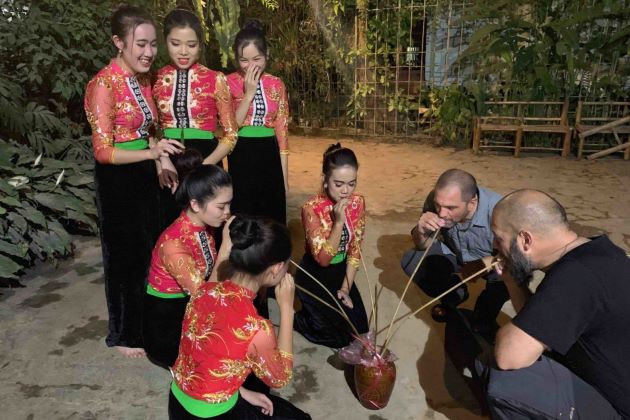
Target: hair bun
[253,24]
[243,232]
[333,148]
[187,161]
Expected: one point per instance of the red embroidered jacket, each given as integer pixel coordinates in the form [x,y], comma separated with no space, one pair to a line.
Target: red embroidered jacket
[119,108]
[183,257]
[317,220]
[270,107]
[223,340]
[194,98]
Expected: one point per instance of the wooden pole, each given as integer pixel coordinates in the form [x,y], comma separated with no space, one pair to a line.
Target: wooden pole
[437,298]
[608,151]
[389,330]
[605,127]
[341,311]
[323,302]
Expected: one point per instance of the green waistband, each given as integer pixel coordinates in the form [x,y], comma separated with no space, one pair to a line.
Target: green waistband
[138,144]
[201,408]
[151,291]
[187,133]
[340,257]
[256,131]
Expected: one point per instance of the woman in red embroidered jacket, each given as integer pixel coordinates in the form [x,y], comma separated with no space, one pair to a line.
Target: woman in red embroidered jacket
[259,163]
[224,338]
[185,255]
[334,223]
[191,99]
[120,109]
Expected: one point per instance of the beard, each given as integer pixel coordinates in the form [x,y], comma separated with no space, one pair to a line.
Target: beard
[519,267]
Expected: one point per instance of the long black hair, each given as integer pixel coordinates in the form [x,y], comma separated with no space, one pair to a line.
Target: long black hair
[257,244]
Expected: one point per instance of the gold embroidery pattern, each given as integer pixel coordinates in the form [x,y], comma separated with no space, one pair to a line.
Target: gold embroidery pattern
[354,262]
[222,295]
[247,331]
[197,334]
[260,366]
[227,117]
[328,249]
[216,397]
[230,369]
[184,372]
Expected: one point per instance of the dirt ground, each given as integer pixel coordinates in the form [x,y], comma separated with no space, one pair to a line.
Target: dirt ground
[54,363]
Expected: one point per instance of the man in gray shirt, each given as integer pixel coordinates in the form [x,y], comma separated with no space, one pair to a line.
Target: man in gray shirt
[462,212]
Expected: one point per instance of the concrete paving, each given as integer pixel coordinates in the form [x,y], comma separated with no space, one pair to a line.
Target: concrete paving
[54,363]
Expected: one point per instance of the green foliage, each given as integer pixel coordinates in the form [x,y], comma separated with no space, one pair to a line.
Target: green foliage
[549,48]
[48,51]
[223,17]
[40,199]
[270,4]
[452,110]
[356,101]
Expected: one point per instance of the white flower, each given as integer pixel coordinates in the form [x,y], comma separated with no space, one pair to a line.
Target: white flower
[18,181]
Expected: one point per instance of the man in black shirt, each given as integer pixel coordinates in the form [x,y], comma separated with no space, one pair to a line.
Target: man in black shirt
[566,354]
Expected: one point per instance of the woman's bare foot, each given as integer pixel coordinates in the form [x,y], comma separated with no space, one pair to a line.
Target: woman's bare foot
[131,352]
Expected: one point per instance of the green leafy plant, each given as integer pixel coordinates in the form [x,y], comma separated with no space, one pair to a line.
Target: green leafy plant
[49,49]
[41,200]
[535,50]
[452,110]
[356,102]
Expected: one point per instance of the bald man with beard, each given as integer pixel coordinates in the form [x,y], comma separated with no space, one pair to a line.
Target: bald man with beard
[566,354]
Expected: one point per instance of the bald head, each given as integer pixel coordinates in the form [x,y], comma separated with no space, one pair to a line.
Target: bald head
[466,183]
[530,210]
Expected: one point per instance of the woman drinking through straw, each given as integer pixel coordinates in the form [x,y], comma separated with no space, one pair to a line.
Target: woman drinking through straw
[224,338]
[185,256]
[334,221]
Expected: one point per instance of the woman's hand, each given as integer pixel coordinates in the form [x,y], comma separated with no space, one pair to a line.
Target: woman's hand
[168,179]
[168,175]
[225,236]
[257,400]
[166,147]
[339,210]
[285,291]
[252,76]
[344,295]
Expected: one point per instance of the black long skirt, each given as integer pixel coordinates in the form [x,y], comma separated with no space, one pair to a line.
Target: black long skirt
[282,410]
[162,328]
[318,323]
[127,201]
[170,209]
[257,178]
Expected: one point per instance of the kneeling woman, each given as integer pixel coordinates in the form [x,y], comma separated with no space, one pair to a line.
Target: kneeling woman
[224,338]
[185,255]
[333,223]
